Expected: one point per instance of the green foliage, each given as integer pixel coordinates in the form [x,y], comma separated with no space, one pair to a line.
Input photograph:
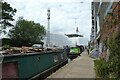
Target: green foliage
[101,68]
[4,47]
[114,59]
[5,41]
[26,33]
[111,68]
[7,15]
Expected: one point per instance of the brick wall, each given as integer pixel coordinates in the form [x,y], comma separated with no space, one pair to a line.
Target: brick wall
[111,22]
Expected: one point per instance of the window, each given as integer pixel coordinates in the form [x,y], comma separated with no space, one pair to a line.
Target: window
[55,58]
[92,22]
[61,56]
[92,17]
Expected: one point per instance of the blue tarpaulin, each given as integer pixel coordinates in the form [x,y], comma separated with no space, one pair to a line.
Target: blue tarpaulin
[94,53]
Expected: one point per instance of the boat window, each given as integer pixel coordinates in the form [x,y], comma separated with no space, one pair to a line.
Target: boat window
[61,56]
[55,58]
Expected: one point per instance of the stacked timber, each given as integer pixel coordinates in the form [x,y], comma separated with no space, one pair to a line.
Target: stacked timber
[24,49]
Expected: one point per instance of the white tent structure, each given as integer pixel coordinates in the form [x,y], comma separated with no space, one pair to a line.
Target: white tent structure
[57,40]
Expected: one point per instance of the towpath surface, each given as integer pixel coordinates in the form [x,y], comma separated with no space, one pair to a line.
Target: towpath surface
[81,67]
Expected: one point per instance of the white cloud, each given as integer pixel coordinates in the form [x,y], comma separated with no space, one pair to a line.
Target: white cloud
[63,13]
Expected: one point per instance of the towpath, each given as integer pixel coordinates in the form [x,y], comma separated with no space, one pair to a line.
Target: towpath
[81,67]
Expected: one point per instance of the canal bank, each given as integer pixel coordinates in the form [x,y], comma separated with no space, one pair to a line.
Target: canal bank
[81,67]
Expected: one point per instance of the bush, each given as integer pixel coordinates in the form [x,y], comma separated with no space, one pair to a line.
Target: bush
[101,68]
[5,41]
[110,69]
[114,58]
[4,47]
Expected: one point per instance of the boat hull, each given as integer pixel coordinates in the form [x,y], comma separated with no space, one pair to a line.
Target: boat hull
[33,65]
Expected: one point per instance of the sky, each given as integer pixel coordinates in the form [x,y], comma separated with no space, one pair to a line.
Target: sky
[65,15]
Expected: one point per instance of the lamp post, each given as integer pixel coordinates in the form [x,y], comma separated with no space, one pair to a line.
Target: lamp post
[48,28]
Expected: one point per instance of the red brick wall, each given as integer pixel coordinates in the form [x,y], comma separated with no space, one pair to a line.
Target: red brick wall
[111,22]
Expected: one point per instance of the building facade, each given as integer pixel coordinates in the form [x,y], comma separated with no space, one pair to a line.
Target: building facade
[95,23]
[105,21]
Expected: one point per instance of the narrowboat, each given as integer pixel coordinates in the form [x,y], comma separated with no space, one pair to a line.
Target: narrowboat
[32,65]
[75,51]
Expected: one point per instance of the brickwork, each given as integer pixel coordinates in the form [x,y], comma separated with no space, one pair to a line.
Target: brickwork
[111,22]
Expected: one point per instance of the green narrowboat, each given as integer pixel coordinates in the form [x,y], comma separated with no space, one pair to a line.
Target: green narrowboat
[75,51]
[32,65]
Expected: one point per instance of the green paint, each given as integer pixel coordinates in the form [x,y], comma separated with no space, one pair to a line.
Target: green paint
[30,65]
[74,50]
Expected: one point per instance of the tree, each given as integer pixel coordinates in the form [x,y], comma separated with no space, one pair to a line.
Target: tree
[26,33]
[6,13]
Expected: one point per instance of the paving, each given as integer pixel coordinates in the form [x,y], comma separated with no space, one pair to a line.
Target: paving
[81,67]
